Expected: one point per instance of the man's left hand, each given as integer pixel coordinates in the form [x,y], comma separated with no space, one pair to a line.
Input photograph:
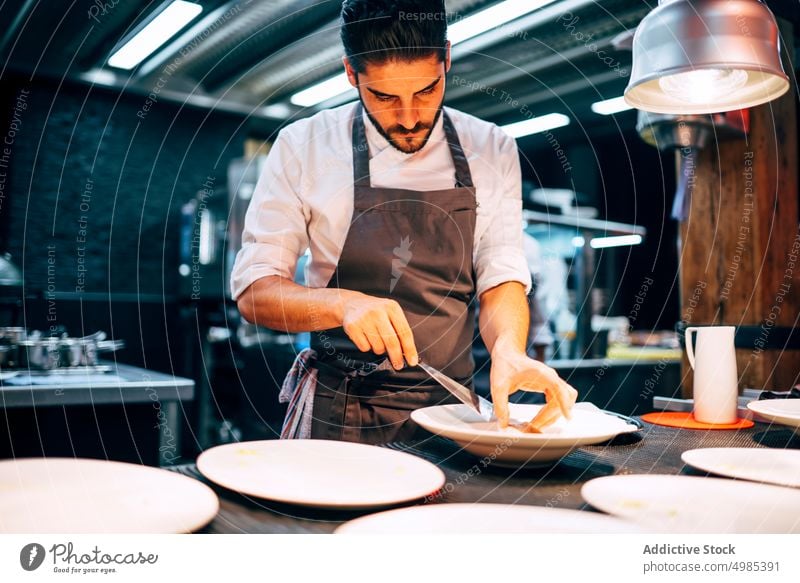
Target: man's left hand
[512,370]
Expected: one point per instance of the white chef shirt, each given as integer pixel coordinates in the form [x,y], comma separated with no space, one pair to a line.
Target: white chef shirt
[304,196]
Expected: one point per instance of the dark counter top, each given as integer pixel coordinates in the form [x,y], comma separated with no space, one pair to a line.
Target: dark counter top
[654,450]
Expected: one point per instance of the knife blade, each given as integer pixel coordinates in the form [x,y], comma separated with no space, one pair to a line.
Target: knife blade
[483,407]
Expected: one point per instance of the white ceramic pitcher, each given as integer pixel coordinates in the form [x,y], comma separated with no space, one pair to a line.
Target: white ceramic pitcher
[716,388]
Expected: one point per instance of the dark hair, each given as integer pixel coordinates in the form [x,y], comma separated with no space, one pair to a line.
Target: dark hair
[376,31]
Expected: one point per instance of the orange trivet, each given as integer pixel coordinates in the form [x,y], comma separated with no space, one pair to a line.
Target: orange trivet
[687,421]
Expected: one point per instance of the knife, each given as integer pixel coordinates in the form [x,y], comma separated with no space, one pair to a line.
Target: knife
[483,407]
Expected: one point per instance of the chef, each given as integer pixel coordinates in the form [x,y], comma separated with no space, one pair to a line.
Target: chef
[411,213]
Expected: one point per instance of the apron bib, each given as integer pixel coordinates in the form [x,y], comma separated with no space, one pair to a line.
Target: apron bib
[416,248]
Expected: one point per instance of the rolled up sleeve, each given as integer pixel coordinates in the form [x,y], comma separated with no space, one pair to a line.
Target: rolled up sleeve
[275,229]
[499,256]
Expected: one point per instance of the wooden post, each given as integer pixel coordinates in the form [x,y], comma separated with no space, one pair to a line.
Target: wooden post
[736,247]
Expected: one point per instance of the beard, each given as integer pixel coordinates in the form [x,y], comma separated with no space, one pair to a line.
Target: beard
[401,138]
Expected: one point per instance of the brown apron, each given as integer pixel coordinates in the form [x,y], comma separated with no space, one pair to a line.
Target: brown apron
[414,247]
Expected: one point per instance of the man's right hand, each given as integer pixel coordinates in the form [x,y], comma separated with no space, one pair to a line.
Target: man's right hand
[379,325]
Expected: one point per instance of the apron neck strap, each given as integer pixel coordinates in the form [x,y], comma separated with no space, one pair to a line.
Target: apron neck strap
[361,175]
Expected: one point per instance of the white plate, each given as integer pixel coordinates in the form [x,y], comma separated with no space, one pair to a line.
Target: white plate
[783,411]
[486,519]
[771,466]
[63,495]
[690,504]
[318,472]
[511,446]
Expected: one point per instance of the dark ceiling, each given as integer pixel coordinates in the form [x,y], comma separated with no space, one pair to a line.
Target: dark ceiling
[250,56]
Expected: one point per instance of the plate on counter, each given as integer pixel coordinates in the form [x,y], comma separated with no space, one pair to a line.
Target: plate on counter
[783,411]
[486,519]
[697,505]
[81,496]
[511,446]
[765,465]
[321,473]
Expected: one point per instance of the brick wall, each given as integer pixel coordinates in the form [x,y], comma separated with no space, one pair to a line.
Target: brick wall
[94,190]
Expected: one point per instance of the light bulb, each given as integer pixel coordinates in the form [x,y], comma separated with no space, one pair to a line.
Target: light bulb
[703,85]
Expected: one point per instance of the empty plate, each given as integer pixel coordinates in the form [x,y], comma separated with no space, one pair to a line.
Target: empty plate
[486,519]
[512,447]
[63,495]
[772,466]
[318,472]
[690,504]
[783,411]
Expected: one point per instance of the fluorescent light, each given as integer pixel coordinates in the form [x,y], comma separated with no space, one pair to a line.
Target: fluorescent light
[459,31]
[322,91]
[492,17]
[618,241]
[611,106]
[277,111]
[603,242]
[536,125]
[158,31]
[100,77]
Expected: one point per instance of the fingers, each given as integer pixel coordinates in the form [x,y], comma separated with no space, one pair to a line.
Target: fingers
[359,339]
[547,415]
[567,397]
[380,325]
[546,380]
[404,334]
[563,395]
[500,403]
[391,343]
[375,341]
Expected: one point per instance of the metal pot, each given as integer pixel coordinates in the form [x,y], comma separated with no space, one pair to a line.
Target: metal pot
[42,354]
[12,334]
[84,351]
[48,353]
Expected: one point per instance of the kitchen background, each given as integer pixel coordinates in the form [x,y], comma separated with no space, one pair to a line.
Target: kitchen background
[123,190]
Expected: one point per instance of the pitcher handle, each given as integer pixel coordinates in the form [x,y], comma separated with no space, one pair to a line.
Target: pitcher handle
[690,345]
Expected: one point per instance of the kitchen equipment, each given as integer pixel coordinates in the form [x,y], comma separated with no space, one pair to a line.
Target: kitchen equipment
[40,353]
[511,447]
[322,473]
[783,411]
[202,241]
[462,393]
[486,519]
[84,351]
[13,334]
[689,133]
[33,351]
[705,56]
[667,131]
[770,466]
[715,376]
[695,505]
[64,495]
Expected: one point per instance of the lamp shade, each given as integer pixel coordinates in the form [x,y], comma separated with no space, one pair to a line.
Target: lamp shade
[706,56]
